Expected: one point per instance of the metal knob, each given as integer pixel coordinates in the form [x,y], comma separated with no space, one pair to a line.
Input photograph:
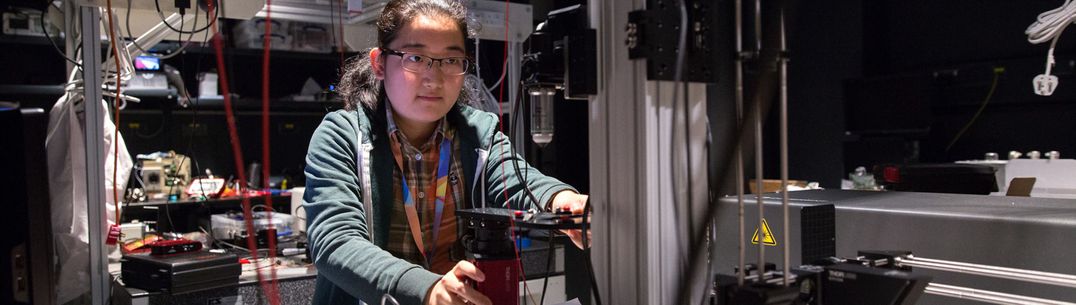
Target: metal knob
[1034,155]
[1053,155]
[1013,155]
[991,156]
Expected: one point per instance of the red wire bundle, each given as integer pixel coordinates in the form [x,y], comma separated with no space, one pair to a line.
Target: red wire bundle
[270,288]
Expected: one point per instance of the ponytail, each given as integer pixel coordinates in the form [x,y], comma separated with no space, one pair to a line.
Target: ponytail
[358,86]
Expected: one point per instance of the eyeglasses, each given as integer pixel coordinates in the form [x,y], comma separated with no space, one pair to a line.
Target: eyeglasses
[421,63]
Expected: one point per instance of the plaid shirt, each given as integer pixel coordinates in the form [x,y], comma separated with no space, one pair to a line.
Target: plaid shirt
[420,164]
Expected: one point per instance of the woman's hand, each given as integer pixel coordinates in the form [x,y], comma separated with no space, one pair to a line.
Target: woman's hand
[574,202]
[454,289]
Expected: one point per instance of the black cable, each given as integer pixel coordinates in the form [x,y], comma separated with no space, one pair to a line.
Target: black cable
[548,263]
[216,14]
[54,45]
[127,24]
[194,118]
[171,188]
[698,232]
[586,252]
[766,82]
[190,146]
[513,157]
[164,120]
[677,83]
[511,151]
[171,224]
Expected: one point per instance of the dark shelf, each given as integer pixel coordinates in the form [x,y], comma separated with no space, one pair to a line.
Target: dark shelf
[249,104]
[188,215]
[274,54]
[195,48]
[217,201]
[28,40]
[152,98]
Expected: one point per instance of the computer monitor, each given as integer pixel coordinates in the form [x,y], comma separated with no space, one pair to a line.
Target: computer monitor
[147,63]
[26,251]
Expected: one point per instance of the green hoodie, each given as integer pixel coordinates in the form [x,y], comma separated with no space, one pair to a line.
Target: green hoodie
[341,172]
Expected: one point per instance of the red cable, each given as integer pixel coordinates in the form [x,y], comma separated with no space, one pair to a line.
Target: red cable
[500,123]
[500,98]
[340,45]
[116,112]
[266,47]
[237,155]
[519,262]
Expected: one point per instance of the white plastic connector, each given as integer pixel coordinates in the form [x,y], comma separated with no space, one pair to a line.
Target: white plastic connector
[1045,84]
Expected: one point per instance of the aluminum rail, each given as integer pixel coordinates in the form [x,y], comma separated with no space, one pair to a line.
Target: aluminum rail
[1033,276]
[987,296]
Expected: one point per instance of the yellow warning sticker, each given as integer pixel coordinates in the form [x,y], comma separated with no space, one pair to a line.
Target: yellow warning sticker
[767,235]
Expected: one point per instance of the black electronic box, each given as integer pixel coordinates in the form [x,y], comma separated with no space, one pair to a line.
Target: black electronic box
[180,273]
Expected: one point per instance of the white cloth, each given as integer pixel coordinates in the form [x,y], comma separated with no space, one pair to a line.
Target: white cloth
[66,152]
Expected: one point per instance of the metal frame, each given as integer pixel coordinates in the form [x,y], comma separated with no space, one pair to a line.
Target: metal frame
[86,16]
[95,144]
[229,9]
[618,80]
[640,257]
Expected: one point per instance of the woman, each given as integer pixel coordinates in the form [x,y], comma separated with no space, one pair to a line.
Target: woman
[385,175]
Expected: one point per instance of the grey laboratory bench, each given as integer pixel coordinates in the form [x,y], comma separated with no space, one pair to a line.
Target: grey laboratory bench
[296,284]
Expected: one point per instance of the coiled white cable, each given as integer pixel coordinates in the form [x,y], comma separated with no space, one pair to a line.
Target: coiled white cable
[1048,27]
[1049,24]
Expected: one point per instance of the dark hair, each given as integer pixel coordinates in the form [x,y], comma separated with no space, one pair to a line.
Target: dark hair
[358,86]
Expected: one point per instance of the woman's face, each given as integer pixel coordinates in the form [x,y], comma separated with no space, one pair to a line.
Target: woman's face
[421,97]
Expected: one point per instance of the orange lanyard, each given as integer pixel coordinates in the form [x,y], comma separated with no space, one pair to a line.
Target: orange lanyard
[441,187]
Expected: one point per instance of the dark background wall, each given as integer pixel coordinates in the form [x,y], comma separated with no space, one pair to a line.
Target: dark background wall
[870,82]
[874,82]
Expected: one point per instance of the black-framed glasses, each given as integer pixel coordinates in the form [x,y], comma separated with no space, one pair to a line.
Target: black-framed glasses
[419,63]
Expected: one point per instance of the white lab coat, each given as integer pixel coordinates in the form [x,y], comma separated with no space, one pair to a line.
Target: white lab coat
[66,152]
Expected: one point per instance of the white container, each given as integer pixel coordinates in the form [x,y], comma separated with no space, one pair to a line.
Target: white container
[256,26]
[312,37]
[277,42]
[207,85]
[231,226]
[297,208]
[248,34]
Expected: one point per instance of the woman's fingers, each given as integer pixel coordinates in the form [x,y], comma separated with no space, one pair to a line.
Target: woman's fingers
[472,296]
[458,285]
[465,269]
[577,237]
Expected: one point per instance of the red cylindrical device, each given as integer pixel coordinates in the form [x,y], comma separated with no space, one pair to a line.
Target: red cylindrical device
[502,280]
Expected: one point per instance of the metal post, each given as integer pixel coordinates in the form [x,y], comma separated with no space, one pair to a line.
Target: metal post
[782,61]
[95,167]
[738,12]
[69,26]
[511,77]
[761,268]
